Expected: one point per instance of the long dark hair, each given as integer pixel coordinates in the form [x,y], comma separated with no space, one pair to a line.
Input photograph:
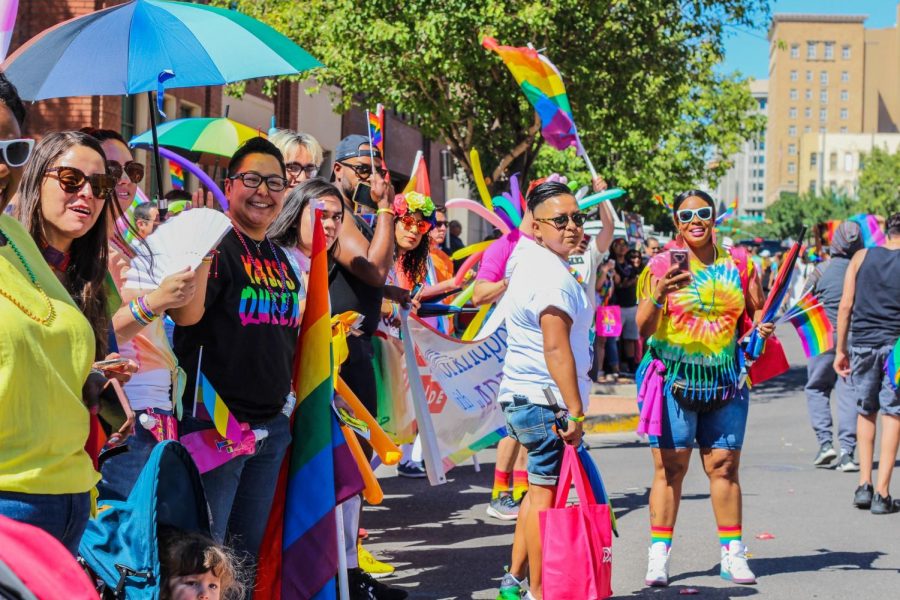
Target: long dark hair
[285,229]
[414,263]
[86,273]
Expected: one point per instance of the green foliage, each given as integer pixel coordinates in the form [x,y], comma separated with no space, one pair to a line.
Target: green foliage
[639,75]
[879,184]
[790,212]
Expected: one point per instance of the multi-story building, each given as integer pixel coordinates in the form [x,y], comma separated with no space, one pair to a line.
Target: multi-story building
[827,74]
[834,160]
[745,180]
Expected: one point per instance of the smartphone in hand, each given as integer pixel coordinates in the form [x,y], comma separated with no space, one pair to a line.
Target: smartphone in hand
[362,196]
[679,258]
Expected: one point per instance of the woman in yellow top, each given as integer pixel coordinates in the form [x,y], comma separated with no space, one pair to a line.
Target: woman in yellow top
[46,350]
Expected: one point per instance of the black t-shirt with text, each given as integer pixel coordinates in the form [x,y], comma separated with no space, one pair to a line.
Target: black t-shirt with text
[248,337]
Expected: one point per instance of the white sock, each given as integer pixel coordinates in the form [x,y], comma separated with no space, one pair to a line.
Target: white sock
[351,509]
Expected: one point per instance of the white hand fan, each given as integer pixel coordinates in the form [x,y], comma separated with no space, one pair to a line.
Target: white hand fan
[178,243]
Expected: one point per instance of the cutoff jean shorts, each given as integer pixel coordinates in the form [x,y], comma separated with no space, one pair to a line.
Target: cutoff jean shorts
[532,426]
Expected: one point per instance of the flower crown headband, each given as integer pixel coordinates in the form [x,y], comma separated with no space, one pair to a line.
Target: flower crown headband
[413,202]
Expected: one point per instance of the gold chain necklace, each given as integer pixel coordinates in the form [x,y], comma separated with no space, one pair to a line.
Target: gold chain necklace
[51,313]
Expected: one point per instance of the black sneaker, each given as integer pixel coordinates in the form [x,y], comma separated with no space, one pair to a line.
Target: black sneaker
[884,505]
[826,456]
[411,469]
[862,497]
[847,463]
[364,587]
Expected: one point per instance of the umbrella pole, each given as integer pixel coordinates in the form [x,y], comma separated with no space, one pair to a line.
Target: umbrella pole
[161,202]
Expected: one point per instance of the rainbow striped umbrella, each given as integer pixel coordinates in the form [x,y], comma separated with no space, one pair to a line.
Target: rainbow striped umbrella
[218,136]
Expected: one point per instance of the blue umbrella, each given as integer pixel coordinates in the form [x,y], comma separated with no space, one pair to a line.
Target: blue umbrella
[143,45]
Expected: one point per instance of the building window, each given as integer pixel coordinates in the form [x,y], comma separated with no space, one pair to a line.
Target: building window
[795,50]
[823,77]
[822,129]
[845,95]
[792,131]
[813,158]
[807,112]
[812,186]
[823,114]
[807,129]
[823,96]
[792,149]
[127,128]
[832,161]
[793,75]
[809,76]
[792,167]
[762,146]
[793,94]
[808,94]
[845,52]
[845,76]
[843,130]
[811,50]
[848,162]
[792,112]
[829,50]
[845,114]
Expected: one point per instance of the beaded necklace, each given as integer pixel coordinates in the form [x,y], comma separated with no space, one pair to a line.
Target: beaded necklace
[282,309]
[51,314]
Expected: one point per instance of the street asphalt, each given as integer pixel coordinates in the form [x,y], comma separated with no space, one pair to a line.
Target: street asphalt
[815,543]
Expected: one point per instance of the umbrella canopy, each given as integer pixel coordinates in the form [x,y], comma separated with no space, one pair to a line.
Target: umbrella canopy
[218,136]
[123,49]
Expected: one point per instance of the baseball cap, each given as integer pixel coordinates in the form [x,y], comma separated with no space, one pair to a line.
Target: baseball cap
[349,147]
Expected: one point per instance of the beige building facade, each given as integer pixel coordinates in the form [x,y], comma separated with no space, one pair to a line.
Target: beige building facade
[834,160]
[828,74]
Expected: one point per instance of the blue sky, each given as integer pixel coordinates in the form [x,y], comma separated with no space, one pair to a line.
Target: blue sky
[747,51]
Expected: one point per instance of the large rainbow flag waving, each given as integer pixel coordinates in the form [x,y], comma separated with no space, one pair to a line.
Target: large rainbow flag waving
[543,86]
[299,554]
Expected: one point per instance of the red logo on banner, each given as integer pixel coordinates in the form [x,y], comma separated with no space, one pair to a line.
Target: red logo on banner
[434,393]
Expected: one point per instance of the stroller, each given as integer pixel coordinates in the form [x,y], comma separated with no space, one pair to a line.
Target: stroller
[120,545]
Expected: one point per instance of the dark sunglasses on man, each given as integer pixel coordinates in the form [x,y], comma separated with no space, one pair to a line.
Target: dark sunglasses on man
[16,152]
[72,180]
[560,222]
[133,169]
[363,171]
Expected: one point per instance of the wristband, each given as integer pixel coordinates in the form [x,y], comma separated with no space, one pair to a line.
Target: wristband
[576,419]
[389,211]
[656,304]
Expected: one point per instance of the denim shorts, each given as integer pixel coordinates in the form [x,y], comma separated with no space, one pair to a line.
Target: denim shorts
[532,426]
[720,428]
[868,382]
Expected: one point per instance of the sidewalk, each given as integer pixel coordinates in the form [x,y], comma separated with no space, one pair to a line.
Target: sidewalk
[613,408]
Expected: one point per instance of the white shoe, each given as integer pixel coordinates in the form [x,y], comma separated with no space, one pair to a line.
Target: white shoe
[658,565]
[734,564]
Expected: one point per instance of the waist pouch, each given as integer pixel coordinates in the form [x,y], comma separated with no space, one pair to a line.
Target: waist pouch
[704,398]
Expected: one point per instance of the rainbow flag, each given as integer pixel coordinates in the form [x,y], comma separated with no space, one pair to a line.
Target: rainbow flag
[226,424]
[813,327]
[892,366]
[418,177]
[176,173]
[729,212]
[830,228]
[542,84]
[376,128]
[870,228]
[299,555]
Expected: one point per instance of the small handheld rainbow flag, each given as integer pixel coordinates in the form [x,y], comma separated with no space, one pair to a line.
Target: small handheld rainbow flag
[812,324]
[892,366]
[870,228]
[177,175]
[227,426]
[376,128]
[729,212]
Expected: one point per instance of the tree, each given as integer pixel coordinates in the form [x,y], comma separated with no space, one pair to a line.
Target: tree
[879,183]
[790,212]
[639,75]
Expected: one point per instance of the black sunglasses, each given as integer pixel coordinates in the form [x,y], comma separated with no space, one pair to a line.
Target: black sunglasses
[72,180]
[363,171]
[560,222]
[16,152]
[133,169]
[274,183]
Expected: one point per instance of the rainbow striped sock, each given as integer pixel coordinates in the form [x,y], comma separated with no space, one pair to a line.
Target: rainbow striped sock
[729,534]
[501,483]
[661,534]
[520,484]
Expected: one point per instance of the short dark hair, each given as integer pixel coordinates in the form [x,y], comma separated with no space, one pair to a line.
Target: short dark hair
[9,95]
[102,135]
[142,210]
[679,200]
[893,225]
[256,145]
[176,194]
[543,192]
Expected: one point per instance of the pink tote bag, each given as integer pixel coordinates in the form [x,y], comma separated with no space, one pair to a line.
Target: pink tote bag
[577,540]
[609,321]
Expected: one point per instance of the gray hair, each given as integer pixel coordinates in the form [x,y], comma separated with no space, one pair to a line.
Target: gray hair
[287,141]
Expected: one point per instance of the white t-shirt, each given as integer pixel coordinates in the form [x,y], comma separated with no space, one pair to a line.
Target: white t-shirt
[545,282]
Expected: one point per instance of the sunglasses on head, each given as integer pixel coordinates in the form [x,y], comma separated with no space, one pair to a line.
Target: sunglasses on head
[274,183]
[686,215]
[133,169]
[410,223]
[72,180]
[560,222]
[363,171]
[294,169]
[16,152]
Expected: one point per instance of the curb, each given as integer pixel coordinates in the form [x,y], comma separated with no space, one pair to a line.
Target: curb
[611,423]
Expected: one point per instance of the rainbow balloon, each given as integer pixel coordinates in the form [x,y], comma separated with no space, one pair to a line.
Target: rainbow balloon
[815,330]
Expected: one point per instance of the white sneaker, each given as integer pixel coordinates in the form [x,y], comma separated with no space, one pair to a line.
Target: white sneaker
[658,565]
[734,564]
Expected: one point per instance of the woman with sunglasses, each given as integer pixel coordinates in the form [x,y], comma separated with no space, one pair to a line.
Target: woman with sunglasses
[548,319]
[54,328]
[693,298]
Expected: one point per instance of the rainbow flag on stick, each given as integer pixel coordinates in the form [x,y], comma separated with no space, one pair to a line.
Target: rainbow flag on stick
[542,84]
[815,330]
[176,173]
[226,425]
[870,229]
[299,555]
